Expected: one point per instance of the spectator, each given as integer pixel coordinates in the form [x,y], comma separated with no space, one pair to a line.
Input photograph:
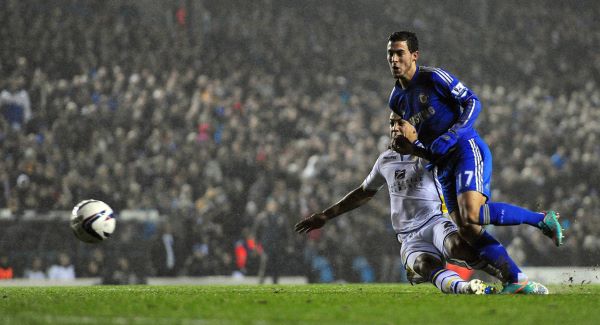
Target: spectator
[198,264]
[35,270]
[15,103]
[63,270]
[275,237]
[6,270]
[248,253]
[165,251]
[121,273]
[95,264]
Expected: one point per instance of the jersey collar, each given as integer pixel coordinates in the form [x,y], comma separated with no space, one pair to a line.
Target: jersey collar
[411,80]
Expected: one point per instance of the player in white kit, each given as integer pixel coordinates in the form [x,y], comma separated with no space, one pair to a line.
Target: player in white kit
[427,235]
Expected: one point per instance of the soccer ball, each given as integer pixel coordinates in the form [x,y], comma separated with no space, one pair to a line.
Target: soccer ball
[92,221]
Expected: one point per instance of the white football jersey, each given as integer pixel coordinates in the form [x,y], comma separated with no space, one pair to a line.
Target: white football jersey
[415,193]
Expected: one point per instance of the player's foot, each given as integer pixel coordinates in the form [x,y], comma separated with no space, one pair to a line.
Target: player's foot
[478,287]
[525,288]
[551,227]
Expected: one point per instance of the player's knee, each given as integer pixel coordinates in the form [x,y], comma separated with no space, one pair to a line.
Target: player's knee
[457,248]
[469,204]
[425,264]
[469,213]
[452,244]
[469,232]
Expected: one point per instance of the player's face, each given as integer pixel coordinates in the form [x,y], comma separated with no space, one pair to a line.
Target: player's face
[398,126]
[402,62]
[395,125]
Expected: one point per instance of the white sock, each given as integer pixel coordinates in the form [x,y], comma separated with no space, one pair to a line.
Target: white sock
[449,282]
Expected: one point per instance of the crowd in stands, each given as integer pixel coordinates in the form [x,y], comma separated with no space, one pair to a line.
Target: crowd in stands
[235,119]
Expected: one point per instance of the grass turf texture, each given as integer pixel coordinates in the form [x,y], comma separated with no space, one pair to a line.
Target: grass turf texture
[298,304]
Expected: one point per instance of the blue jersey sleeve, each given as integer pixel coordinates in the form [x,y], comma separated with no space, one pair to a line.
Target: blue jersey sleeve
[450,87]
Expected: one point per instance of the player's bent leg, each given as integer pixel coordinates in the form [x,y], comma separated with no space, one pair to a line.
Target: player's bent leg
[431,267]
[503,214]
[474,210]
[488,247]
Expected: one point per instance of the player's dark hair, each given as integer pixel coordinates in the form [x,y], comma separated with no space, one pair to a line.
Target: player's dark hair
[411,39]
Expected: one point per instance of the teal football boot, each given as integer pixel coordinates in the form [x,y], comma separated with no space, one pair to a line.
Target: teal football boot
[525,288]
[551,227]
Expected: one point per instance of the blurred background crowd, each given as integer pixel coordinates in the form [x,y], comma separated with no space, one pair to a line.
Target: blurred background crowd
[234,119]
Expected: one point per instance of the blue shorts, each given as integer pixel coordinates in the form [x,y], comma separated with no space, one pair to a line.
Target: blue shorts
[469,168]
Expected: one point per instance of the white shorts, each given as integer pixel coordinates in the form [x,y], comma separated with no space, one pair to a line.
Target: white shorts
[429,239]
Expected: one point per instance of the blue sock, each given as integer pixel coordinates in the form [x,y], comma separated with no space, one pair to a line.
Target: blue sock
[503,214]
[495,254]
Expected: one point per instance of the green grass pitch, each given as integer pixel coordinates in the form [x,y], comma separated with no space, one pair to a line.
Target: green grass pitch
[287,304]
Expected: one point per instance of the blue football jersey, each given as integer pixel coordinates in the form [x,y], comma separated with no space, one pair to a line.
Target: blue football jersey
[435,102]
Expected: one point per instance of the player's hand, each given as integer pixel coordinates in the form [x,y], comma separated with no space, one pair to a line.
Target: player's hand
[402,145]
[444,143]
[315,221]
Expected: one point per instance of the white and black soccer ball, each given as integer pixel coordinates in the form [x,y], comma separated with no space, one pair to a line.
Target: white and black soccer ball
[92,221]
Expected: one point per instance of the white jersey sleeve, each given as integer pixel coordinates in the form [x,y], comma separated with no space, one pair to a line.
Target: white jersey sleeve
[375,180]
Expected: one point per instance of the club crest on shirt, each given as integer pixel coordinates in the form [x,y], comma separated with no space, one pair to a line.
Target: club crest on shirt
[400,174]
[423,98]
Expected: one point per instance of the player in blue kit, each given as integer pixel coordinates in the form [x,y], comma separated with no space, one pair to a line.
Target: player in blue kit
[443,111]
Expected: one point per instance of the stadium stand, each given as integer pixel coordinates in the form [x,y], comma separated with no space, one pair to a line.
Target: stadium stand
[204,113]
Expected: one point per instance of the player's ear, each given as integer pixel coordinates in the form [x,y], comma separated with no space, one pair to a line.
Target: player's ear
[415,55]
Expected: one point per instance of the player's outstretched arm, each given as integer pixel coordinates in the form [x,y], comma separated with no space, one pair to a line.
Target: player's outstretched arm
[351,201]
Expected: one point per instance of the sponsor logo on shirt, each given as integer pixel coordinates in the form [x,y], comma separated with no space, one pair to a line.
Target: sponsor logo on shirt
[402,183]
[422,115]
